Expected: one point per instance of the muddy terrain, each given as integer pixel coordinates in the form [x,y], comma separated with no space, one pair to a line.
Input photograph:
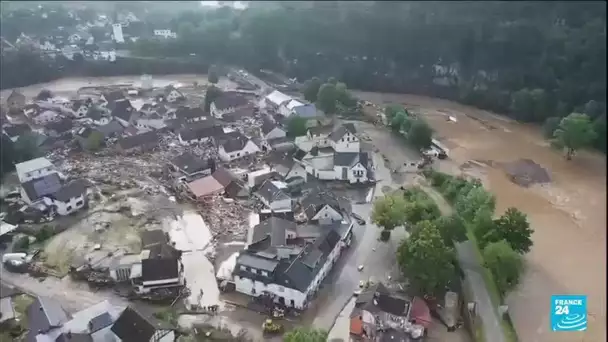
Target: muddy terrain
[565,205]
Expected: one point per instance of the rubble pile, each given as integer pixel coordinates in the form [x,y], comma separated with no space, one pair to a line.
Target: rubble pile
[225,217]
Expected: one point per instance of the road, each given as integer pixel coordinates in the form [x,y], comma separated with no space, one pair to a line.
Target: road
[378,258]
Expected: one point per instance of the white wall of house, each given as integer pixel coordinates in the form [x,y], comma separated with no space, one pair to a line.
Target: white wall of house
[24,196]
[193,141]
[326,268]
[348,143]
[66,208]
[327,213]
[165,33]
[117,33]
[324,174]
[321,161]
[169,337]
[255,288]
[151,123]
[276,132]
[161,282]
[104,120]
[219,113]
[250,148]
[357,173]
[37,174]
[279,205]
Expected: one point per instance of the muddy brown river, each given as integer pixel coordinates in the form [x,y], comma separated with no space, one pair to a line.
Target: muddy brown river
[568,214]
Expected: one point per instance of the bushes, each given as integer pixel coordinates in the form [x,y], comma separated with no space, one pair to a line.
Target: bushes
[385,235]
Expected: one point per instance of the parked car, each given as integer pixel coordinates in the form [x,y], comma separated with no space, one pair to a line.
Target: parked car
[359,219]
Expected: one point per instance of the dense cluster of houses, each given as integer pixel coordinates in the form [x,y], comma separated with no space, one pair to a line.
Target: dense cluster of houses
[48,321]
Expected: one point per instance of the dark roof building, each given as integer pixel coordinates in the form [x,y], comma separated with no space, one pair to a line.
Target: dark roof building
[113,96]
[230,100]
[143,140]
[122,109]
[42,315]
[200,132]
[153,269]
[133,326]
[189,113]
[270,192]
[71,190]
[190,164]
[37,188]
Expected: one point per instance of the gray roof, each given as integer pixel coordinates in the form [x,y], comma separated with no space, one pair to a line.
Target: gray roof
[151,237]
[316,200]
[114,95]
[253,261]
[71,190]
[273,228]
[94,113]
[133,326]
[270,192]
[307,111]
[268,125]
[341,131]
[230,99]
[188,133]
[122,109]
[233,141]
[43,186]
[346,158]
[143,139]
[111,128]
[189,163]
[159,269]
[189,112]
[321,130]
[238,114]
[44,313]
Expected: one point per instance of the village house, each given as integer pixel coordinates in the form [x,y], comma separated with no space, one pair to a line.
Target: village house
[190,114]
[240,114]
[152,121]
[273,101]
[234,187]
[380,315]
[112,129]
[82,136]
[227,102]
[33,191]
[157,273]
[285,166]
[143,142]
[171,94]
[123,111]
[16,131]
[69,198]
[199,134]
[111,97]
[15,101]
[315,137]
[234,145]
[34,168]
[43,315]
[290,275]
[92,324]
[190,167]
[270,130]
[287,108]
[133,326]
[205,187]
[272,194]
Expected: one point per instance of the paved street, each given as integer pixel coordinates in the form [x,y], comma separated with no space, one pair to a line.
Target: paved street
[378,258]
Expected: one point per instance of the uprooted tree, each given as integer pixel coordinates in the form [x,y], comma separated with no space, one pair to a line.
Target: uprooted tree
[574,132]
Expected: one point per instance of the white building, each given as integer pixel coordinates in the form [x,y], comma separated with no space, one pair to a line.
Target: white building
[292,275]
[274,100]
[70,198]
[228,102]
[165,33]
[270,130]
[234,145]
[272,194]
[117,33]
[286,108]
[34,168]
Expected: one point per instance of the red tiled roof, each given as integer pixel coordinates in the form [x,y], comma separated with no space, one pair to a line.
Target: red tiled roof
[420,313]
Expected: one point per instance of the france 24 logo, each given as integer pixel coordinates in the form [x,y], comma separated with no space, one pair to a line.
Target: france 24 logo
[568,313]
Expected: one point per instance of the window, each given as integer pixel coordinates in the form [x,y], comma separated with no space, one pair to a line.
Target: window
[254,271]
[243,268]
[79,203]
[238,154]
[265,274]
[69,208]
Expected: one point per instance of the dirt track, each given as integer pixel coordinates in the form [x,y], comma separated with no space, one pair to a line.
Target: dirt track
[568,215]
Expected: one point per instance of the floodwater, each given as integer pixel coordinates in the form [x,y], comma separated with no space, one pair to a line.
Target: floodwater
[568,214]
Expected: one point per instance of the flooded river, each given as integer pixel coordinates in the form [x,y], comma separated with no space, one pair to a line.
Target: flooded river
[568,214]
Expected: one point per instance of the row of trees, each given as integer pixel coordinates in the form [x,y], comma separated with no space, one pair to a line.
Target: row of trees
[415,129]
[503,241]
[332,97]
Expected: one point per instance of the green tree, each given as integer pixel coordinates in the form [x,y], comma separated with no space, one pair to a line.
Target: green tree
[426,259]
[420,210]
[514,228]
[420,134]
[398,122]
[388,212]
[296,127]
[550,125]
[312,89]
[574,132]
[95,141]
[505,264]
[474,200]
[451,228]
[391,110]
[213,75]
[212,93]
[599,126]
[327,98]
[484,227]
[305,335]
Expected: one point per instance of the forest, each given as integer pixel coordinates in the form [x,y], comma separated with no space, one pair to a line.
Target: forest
[529,60]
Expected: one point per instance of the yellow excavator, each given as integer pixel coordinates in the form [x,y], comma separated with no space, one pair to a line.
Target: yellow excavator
[269,327]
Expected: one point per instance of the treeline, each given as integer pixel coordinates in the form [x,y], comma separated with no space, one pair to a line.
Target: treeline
[25,68]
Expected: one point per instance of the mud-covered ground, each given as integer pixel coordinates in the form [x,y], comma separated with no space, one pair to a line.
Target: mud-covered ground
[568,214]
